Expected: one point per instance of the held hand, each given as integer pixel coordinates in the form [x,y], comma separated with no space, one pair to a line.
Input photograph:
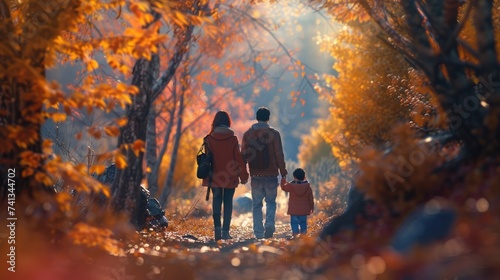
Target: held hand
[283,181]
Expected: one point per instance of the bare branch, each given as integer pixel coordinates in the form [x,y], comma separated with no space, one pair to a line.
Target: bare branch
[399,41]
[174,63]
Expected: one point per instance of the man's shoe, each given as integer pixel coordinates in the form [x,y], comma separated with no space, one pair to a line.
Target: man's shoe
[268,233]
[225,235]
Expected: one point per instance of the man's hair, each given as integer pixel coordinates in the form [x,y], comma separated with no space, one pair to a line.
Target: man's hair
[299,173]
[263,114]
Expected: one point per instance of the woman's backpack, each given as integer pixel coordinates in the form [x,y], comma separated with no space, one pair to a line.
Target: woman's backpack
[204,158]
[205,161]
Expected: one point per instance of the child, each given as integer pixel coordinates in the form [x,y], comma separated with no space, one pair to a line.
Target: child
[301,202]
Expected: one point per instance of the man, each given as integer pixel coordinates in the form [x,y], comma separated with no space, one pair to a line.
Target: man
[263,151]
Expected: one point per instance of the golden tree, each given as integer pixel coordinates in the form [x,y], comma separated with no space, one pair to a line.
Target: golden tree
[38,36]
[132,137]
[454,47]
[35,34]
[455,60]
[374,90]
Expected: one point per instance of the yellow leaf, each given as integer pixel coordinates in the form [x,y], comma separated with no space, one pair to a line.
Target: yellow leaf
[105,190]
[124,69]
[98,169]
[120,160]
[113,63]
[58,117]
[180,19]
[92,65]
[121,87]
[126,99]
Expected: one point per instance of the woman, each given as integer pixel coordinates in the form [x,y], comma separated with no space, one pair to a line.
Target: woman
[228,170]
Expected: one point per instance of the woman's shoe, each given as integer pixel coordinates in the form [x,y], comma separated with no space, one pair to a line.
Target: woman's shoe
[218,233]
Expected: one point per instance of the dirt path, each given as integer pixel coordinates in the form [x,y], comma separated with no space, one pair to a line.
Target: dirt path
[181,255]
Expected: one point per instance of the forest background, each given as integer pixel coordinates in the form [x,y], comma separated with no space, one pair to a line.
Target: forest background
[398,99]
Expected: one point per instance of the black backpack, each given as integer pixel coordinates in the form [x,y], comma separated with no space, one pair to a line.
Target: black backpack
[204,159]
[154,208]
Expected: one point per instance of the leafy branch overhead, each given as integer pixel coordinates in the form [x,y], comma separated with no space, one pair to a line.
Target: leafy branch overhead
[398,103]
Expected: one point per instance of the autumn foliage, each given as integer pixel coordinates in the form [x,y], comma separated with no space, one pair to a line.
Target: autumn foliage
[413,110]
[434,95]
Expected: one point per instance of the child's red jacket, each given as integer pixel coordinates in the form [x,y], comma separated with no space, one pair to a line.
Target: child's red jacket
[301,201]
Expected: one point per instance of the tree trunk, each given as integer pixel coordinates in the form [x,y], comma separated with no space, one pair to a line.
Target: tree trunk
[154,176]
[21,103]
[151,145]
[15,98]
[127,181]
[173,160]
[126,185]
[455,90]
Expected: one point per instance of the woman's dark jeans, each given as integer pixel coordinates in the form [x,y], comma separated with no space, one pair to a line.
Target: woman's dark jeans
[222,195]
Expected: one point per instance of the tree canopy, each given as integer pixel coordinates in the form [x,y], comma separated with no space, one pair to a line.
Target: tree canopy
[400,131]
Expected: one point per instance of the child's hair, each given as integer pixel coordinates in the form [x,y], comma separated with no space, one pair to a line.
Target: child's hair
[299,173]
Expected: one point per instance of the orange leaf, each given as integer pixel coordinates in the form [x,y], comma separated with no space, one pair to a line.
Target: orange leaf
[98,169]
[121,121]
[58,117]
[105,191]
[121,161]
[47,146]
[95,132]
[112,131]
[27,172]
[180,19]
[138,147]
[92,65]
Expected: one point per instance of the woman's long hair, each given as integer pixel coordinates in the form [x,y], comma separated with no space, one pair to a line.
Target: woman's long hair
[221,118]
